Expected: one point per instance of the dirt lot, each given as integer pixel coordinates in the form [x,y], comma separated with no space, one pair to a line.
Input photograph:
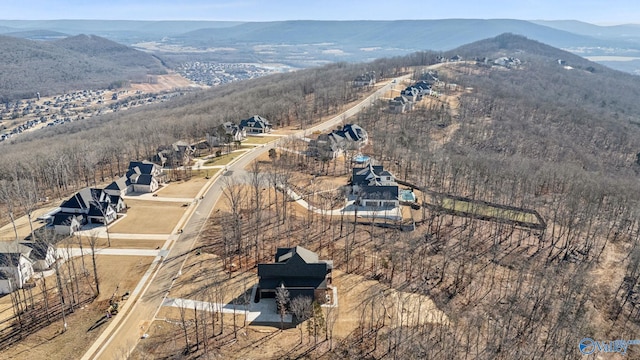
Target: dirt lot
[149,217]
[163,82]
[183,189]
[49,343]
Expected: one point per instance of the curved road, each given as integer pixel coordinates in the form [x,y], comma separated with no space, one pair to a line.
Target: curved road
[125,330]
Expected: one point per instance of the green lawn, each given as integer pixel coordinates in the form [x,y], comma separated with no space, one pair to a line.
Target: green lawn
[488,210]
[260,139]
[223,160]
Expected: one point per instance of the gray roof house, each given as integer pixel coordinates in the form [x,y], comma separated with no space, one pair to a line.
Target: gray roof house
[366,79]
[300,271]
[374,186]
[399,105]
[119,187]
[256,125]
[350,137]
[227,132]
[142,176]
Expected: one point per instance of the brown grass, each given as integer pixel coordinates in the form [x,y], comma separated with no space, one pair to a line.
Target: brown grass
[50,343]
[183,189]
[149,217]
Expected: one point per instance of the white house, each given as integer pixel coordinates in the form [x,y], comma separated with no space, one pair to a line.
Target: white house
[88,205]
[399,105]
[42,254]
[350,137]
[412,94]
[227,132]
[142,176]
[67,224]
[15,266]
[365,80]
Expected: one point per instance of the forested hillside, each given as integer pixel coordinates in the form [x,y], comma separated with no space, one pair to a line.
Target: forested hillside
[561,139]
[70,153]
[74,63]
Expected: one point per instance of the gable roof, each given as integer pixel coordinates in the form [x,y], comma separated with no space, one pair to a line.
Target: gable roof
[120,184]
[10,247]
[294,265]
[380,192]
[98,211]
[144,167]
[39,249]
[363,176]
[256,121]
[84,198]
[144,179]
[284,254]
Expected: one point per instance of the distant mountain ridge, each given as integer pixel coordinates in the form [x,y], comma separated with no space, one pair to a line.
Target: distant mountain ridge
[312,43]
[409,34]
[442,34]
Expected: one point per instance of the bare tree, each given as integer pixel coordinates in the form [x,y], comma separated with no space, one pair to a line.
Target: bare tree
[93,241]
[27,194]
[235,197]
[255,180]
[302,309]
[184,325]
[282,299]
[7,195]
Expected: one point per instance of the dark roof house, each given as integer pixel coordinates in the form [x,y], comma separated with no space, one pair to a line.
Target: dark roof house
[299,270]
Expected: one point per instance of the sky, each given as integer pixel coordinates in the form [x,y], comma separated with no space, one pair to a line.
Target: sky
[602,12]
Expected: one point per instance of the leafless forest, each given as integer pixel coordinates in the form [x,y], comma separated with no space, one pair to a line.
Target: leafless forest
[531,137]
[539,136]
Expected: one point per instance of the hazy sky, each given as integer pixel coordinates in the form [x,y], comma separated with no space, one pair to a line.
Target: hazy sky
[594,11]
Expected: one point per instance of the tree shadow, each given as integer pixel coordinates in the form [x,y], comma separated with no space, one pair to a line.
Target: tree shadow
[98,323]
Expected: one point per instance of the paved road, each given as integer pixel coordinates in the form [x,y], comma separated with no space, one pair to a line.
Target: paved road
[125,331]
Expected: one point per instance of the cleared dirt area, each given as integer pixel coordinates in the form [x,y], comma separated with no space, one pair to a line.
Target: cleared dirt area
[357,294]
[159,83]
[50,342]
[149,217]
[183,189]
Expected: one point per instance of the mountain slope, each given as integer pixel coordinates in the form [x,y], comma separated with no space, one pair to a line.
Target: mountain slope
[617,32]
[73,63]
[579,113]
[412,34]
